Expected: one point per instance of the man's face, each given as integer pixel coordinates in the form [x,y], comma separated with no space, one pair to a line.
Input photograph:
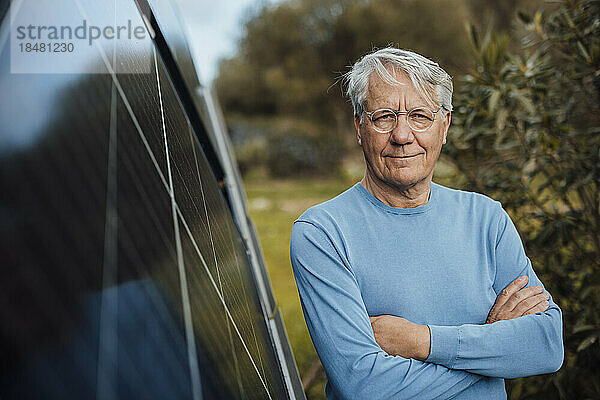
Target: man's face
[403,157]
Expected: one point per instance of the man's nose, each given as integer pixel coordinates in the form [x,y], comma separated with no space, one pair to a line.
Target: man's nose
[402,133]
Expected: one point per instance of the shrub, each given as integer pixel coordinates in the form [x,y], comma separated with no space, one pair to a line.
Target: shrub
[526,128]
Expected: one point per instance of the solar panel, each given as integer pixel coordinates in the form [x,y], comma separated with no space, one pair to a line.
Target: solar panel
[125,273]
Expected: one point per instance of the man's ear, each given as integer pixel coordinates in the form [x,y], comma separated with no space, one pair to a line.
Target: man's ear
[357,127]
[447,121]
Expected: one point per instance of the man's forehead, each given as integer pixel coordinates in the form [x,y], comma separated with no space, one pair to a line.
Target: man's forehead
[380,90]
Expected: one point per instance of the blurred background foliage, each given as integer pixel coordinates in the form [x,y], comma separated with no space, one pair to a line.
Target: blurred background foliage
[525,131]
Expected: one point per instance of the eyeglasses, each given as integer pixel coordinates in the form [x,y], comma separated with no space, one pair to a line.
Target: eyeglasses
[419,119]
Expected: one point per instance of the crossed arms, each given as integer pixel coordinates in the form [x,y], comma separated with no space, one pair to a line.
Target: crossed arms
[459,356]
[399,337]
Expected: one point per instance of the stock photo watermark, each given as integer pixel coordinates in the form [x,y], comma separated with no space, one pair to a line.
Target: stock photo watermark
[83,32]
[68,41]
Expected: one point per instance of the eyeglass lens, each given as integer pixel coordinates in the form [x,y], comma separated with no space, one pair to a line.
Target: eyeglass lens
[419,119]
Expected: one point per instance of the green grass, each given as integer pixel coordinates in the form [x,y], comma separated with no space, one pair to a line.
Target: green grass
[273,206]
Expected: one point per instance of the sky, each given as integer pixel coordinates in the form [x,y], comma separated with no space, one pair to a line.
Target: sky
[215,28]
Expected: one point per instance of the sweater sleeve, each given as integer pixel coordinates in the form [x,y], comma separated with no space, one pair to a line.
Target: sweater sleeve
[524,346]
[337,319]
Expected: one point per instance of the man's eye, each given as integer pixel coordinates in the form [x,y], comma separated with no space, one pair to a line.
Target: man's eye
[421,115]
[384,117]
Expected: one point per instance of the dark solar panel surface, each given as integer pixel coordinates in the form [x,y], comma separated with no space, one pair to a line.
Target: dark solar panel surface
[123,274]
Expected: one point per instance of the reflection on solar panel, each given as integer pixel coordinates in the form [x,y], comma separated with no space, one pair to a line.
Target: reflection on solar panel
[129,266]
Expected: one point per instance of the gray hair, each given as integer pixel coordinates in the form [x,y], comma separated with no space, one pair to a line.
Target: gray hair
[424,74]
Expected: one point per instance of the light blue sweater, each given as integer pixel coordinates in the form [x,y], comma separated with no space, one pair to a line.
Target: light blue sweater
[441,264]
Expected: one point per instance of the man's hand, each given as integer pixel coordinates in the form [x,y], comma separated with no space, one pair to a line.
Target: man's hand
[514,301]
[398,336]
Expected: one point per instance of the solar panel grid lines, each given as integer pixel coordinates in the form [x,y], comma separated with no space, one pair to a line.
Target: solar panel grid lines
[223,302]
[157,344]
[227,261]
[39,281]
[181,183]
[210,324]
[60,204]
[75,179]
[133,254]
[107,346]
[237,368]
[166,188]
[239,209]
[138,128]
[133,382]
[191,235]
[53,205]
[148,212]
[188,192]
[129,109]
[204,263]
[107,340]
[189,332]
[224,237]
[146,206]
[246,306]
[257,354]
[92,174]
[248,309]
[134,244]
[116,82]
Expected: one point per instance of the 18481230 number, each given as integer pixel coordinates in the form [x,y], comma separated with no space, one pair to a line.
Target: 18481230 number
[47,47]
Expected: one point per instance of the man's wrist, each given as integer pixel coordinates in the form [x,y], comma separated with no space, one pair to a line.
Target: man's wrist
[400,337]
[423,342]
[444,345]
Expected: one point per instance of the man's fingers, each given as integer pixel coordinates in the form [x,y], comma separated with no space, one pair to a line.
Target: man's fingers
[529,303]
[540,307]
[512,288]
[522,295]
[508,303]
[507,292]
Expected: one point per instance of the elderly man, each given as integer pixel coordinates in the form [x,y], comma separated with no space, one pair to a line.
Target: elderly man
[411,289]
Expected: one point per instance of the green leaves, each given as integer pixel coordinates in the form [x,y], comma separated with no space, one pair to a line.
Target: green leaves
[527,132]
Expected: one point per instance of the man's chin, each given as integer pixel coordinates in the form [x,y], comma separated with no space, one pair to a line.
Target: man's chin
[405,181]
[400,178]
